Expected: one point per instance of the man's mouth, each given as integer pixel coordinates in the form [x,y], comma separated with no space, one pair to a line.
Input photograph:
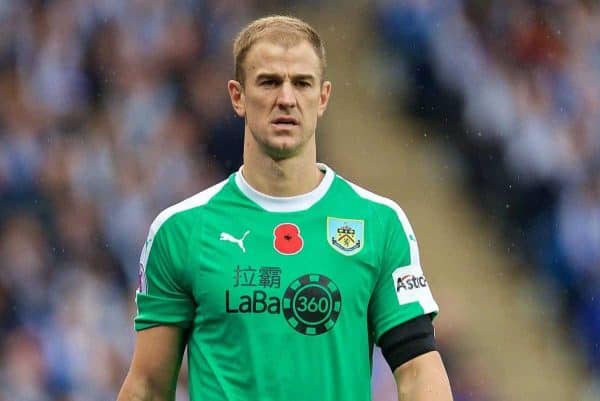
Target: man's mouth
[285,121]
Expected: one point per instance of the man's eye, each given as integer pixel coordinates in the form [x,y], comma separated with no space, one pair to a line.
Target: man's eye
[303,84]
[268,82]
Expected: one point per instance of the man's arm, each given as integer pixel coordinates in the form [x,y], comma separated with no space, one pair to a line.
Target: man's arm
[423,378]
[155,365]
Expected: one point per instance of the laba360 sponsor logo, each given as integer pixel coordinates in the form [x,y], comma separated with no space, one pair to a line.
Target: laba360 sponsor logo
[311,303]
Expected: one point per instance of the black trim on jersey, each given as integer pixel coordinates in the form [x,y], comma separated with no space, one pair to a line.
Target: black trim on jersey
[407,341]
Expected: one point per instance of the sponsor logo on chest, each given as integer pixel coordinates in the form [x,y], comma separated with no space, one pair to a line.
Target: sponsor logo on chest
[310,304]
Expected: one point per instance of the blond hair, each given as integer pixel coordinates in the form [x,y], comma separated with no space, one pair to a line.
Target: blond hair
[287,31]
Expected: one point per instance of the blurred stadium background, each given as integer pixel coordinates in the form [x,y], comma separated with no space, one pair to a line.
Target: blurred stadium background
[479,117]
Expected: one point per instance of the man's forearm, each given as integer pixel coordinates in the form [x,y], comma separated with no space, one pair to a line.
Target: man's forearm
[423,379]
[139,390]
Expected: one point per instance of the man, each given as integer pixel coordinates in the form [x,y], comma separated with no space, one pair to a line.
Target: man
[280,279]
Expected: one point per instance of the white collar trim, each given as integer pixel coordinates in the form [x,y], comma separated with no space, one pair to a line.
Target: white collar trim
[286,203]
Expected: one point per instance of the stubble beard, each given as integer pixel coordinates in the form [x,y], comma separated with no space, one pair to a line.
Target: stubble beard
[277,150]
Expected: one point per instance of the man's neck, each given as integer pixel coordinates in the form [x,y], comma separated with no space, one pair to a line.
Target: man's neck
[283,178]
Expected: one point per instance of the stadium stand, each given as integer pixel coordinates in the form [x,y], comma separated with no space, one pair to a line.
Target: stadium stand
[514,87]
[110,111]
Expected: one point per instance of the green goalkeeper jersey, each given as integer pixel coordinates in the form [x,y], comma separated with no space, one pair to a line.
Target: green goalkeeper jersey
[282,298]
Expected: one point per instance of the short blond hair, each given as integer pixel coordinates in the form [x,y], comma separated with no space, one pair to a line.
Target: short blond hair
[280,29]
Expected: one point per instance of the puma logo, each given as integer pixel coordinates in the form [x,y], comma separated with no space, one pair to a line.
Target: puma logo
[231,238]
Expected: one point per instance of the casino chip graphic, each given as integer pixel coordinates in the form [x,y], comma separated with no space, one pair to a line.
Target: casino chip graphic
[312,304]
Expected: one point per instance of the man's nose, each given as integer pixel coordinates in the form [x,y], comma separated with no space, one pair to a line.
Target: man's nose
[286,97]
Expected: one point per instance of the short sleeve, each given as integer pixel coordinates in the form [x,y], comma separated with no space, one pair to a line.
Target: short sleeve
[162,298]
[402,292]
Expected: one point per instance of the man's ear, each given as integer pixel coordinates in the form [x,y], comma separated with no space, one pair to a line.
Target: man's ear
[324,97]
[236,94]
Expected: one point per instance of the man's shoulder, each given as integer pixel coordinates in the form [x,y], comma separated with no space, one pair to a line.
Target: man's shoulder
[368,197]
[383,209]
[187,209]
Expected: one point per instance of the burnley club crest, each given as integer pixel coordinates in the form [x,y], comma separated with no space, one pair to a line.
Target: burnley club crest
[345,235]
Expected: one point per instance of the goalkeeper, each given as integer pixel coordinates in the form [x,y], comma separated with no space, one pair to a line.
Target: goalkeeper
[280,279]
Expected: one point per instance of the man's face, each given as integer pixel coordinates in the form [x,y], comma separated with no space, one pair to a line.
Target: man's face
[282,97]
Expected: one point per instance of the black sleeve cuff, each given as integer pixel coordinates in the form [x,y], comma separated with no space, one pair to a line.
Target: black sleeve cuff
[407,341]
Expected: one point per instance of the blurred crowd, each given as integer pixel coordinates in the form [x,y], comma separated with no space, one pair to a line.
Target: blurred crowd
[109,112]
[514,86]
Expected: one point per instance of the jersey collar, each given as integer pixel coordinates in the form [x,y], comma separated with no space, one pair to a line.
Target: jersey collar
[287,203]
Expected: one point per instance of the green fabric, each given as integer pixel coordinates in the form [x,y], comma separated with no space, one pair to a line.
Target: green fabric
[286,313]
